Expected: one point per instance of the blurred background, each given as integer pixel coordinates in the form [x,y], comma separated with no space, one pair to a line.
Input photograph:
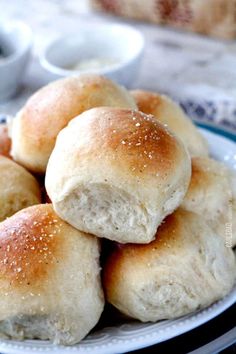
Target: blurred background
[189,48]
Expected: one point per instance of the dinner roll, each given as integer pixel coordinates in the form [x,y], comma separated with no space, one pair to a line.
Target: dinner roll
[18,188]
[116,173]
[36,126]
[50,286]
[210,194]
[5,141]
[186,268]
[170,113]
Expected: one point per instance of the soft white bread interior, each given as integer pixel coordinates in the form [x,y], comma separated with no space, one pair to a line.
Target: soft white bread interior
[186,268]
[116,173]
[210,195]
[170,113]
[35,128]
[50,286]
[18,188]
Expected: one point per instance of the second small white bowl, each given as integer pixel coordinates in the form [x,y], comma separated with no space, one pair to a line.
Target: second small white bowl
[16,43]
[112,50]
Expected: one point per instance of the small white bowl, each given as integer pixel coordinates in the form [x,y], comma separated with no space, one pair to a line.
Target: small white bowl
[116,48]
[16,43]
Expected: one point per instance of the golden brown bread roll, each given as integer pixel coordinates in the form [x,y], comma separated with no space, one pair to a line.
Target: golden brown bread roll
[170,113]
[49,110]
[50,286]
[18,188]
[210,195]
[186,268]
[5,141]
[116,173]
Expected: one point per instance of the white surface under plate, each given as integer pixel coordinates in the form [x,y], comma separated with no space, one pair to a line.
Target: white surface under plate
[135,335]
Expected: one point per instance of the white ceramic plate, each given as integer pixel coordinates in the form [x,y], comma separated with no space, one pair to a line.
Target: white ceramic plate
[135,335]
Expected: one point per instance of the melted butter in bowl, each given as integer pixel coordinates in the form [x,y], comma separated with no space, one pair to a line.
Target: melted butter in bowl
[93,63]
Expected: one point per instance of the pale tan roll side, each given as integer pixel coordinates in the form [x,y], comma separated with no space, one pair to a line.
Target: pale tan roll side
[116,173]
[170,113]
[5,141]
[186,268]
[18,188]
[50,286]
[35,128]
[210,195]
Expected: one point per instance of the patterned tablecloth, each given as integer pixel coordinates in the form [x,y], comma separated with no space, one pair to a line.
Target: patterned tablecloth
[197,71]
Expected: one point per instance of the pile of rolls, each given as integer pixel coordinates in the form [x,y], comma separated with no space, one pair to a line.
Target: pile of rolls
[86,161]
